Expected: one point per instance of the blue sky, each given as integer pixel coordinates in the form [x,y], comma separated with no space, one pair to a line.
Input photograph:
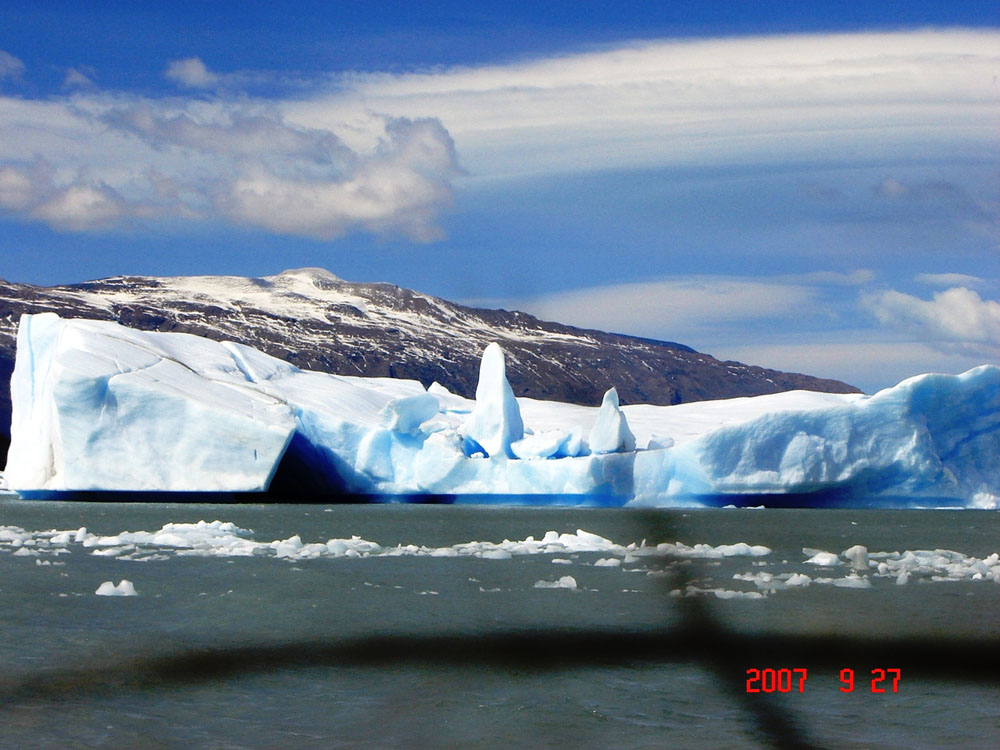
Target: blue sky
[806,186]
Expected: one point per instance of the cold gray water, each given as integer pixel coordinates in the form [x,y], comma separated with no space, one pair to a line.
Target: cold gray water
[294,574]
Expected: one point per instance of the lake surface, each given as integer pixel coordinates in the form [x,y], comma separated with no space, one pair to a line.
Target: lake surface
[269,577]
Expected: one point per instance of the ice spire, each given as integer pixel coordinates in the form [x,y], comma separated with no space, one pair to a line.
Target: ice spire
[495,422]
[610,433]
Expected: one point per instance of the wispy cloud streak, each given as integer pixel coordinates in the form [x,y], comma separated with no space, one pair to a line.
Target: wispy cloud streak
[717,101]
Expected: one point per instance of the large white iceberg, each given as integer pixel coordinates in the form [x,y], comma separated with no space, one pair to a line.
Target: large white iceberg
[100,407]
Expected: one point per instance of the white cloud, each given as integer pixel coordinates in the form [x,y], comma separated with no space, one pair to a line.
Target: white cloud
[10,66]
[17,189]
[232,130]
[891,188]
[81,207]
[399,190]
[950,279]
[680,309]
[719,101]
[954,320]
[859,277]
[866,359]
[78,78]
[191,73]
[117,159]
[795,322]
[341,157]
[33,192]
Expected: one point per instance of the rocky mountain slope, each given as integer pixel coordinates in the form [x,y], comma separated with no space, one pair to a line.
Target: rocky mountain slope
[317,321]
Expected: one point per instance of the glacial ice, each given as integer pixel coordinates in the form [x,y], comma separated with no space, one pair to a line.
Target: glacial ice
[610,433]
[566,582]
[582,550]
[124,588]
[99,407]
[495,421]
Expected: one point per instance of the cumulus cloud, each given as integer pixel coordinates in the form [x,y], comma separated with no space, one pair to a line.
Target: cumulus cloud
[953,320]
[77,205]
[398,190]
[240,162]
[81,207]
[17,189]
[377,151]
[191,73]
[230,131]
[10,66]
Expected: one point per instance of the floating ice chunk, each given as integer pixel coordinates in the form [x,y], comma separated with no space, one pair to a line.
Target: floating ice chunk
[566,582]
[495,422]
[727,594]
[287,547]
[608,562]
[12,534]
[819,557]
[853,581]
[719,593]
[857,556]
[562,561]
[406,414]
[771,582]
[761,580]
[611,433]
[494,554]
[124,588]
[707,551]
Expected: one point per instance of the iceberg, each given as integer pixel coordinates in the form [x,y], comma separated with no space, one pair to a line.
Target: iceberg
[102,408]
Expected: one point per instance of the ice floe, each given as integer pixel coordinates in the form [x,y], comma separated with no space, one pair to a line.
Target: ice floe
[566,582]
[124,588]
[862,568]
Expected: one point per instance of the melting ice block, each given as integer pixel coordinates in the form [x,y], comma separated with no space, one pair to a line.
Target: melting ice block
[97,406]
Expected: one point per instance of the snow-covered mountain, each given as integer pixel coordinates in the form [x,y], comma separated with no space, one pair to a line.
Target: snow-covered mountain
[316,321]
